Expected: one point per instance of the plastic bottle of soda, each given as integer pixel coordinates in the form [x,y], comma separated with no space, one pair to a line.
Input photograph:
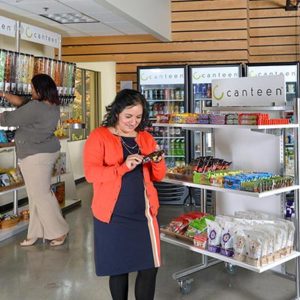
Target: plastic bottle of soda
[182,147]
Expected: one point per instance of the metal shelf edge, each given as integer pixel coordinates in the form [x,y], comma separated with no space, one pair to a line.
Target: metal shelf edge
[219,189]
[232,261]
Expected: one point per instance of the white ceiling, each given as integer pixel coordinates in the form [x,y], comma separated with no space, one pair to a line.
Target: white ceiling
[111,23]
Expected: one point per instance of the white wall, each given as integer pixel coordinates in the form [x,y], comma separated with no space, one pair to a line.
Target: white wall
[154,16]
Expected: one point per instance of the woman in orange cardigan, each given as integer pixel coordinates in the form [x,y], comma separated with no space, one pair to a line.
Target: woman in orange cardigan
[125,201]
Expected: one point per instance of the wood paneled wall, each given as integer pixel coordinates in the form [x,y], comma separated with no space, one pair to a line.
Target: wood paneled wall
[203,32]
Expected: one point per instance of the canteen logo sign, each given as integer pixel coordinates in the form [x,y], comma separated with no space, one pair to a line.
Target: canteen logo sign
[162,76]
[40,36]
[249,91]
[8,27]
[207,74]
[288,71]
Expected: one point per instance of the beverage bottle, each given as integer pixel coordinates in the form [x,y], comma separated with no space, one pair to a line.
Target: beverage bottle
[172,131]
[167,94]
[150,110]
[182,147]
[204,90]
[176,108]
[182,94]
[208,90]
[177,131]
[166,146]
[181,109]
[177,147]
[162,94]
[150,94]
[172,147]
[172,94]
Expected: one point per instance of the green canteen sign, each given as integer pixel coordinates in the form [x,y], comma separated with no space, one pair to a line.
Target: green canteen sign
[249,91]
[162,76]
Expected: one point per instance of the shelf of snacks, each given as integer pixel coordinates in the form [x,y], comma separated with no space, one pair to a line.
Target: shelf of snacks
[249,239]
[224,190]
[12,187]
[172,240]
[208,126]
[210,173]
[20,223]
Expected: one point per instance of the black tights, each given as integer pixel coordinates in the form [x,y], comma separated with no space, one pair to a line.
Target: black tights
[144,285]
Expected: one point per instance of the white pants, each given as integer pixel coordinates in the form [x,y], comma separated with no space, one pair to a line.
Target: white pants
[46,220]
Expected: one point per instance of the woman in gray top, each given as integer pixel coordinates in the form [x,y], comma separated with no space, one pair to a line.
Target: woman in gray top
[37,150]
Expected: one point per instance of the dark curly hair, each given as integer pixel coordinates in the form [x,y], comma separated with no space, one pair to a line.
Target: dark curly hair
[125,98]
[46,88]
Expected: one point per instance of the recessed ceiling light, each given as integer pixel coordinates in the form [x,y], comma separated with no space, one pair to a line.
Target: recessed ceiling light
[70,18]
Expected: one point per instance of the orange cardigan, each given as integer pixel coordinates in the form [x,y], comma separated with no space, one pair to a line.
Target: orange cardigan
[104,167]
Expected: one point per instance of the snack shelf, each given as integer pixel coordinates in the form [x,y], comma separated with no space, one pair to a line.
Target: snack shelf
[210,126]
[23,225]
[220,189]
[185,245]
[21,185]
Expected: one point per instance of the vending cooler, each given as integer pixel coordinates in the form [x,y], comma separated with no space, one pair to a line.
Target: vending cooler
[291,75]
[165,88]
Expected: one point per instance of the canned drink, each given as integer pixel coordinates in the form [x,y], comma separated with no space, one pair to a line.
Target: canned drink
[194,89]
[158,94]
[204,90]
[150,94]
[145,93]
[167,94]
[172,94]
[182,94]
[162,94]
[154,94]
[208,92]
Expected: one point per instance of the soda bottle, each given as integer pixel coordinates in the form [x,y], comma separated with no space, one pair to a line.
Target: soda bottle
[177,147]
[182,147]
[172,147]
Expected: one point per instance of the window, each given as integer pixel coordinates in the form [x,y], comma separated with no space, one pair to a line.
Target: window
[84,108]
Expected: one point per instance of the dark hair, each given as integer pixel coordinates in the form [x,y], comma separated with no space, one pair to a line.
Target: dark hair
[123,99]
[46,88]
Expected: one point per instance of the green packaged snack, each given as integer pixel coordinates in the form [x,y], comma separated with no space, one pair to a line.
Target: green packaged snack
[198,225]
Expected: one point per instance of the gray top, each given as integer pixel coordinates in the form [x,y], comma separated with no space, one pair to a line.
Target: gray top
[36,122]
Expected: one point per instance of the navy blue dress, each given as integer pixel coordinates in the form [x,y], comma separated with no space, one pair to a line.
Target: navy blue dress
[124,244]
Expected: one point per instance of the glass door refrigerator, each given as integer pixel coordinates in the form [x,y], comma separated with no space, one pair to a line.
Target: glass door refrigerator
[291,75]
[200,101]
[165,89]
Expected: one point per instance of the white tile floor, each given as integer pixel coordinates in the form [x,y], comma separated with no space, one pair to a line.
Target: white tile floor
[67,272]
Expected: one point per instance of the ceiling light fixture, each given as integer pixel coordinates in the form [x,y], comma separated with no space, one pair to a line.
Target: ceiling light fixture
[70,18]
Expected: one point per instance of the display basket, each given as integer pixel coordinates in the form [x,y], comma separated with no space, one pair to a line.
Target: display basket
[9,223]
